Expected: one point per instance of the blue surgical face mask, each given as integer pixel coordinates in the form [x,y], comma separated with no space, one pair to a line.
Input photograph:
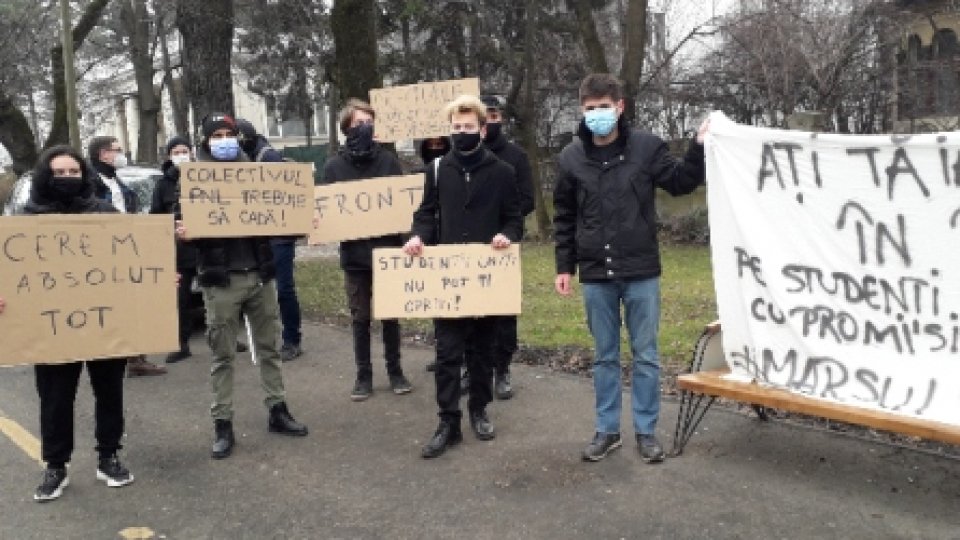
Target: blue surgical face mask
[226,149]
[601,121]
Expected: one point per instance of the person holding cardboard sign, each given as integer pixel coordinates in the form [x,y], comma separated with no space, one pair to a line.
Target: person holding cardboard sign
[605,224]
[469,196]
[237,275]
[359,159]
[63,185]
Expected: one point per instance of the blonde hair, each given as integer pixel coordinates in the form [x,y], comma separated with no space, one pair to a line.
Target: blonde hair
[466,104]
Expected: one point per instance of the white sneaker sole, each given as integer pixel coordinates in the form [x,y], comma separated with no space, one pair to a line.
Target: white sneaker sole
[56,493]
[111,482]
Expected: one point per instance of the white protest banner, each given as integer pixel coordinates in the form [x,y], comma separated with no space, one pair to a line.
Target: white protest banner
[365,208]
[415,111]
[230,199]
[447,281]
[81,287]
[836,264]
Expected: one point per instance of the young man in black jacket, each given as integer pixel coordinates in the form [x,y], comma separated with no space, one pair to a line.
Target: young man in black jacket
[62,184]
[506,341]
[106,156]
[605,223]
[361,158]
[166,200]
[472,198]
[257,148]
[236,275]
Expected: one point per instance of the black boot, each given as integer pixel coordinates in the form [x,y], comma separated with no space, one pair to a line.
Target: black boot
[282,422]
[223,444]
[446,436]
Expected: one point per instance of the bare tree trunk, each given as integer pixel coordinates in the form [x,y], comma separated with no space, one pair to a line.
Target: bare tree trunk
[355,41]
[634,49]
[16,135]
[181,122]
[207,30]
[60,130]
[133,15]
[529,117]
[588,34]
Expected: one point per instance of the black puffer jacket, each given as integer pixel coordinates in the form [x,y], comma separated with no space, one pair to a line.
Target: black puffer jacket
[517,158]
[43,201]
[357,255]
[214,255]
[166,200]
[605,218]
[462,207]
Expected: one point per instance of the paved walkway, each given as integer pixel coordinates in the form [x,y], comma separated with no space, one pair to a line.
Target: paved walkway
[359,474]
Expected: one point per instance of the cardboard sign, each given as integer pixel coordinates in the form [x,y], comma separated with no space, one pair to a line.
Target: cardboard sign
[447,281]
[365,208]
[415,111]
[836,265]
[231,199]
[82,287]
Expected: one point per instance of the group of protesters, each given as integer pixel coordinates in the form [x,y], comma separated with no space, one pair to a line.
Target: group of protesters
[477,189]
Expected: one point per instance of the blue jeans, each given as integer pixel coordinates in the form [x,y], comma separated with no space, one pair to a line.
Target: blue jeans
[283,253]
[641,303]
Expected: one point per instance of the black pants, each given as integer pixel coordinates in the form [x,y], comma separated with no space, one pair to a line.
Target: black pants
[57,387]
[185,304]
[359,286]
[452,338]
[503,348]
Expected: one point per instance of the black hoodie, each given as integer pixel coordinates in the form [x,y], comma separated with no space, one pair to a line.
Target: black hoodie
[517,158]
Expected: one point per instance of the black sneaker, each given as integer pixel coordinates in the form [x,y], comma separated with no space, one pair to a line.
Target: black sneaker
[650,449]
[601,445]
[289,351]
[111,471]
[52,484]
[400,385]
[362,389]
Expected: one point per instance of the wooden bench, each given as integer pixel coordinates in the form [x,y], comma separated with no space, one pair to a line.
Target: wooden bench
[705,382]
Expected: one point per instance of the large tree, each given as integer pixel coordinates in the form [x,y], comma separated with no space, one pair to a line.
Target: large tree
[354,27]
[136,25]
[60,131]
[207,30]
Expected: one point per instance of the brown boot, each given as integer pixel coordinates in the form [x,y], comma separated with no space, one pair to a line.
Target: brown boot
[138,366]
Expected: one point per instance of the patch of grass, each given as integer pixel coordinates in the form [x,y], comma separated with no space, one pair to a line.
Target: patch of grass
[550,321]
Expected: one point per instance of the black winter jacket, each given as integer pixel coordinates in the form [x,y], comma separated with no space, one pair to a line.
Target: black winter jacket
[357,255]
[461,207]
[517,158]
[605,218]
[214,254]
[166,200]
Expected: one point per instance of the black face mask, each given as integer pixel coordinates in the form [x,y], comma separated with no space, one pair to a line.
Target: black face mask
[493,131]
[360,140]
[66,188]
[466,142]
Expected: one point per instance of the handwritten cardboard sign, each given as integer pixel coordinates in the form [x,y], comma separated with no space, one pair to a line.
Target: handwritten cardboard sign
[86,287]
[415,111]
[836,264]
[365,208]
[230,199]
[447,281]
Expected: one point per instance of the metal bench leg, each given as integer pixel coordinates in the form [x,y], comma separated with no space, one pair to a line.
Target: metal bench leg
[693,407]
